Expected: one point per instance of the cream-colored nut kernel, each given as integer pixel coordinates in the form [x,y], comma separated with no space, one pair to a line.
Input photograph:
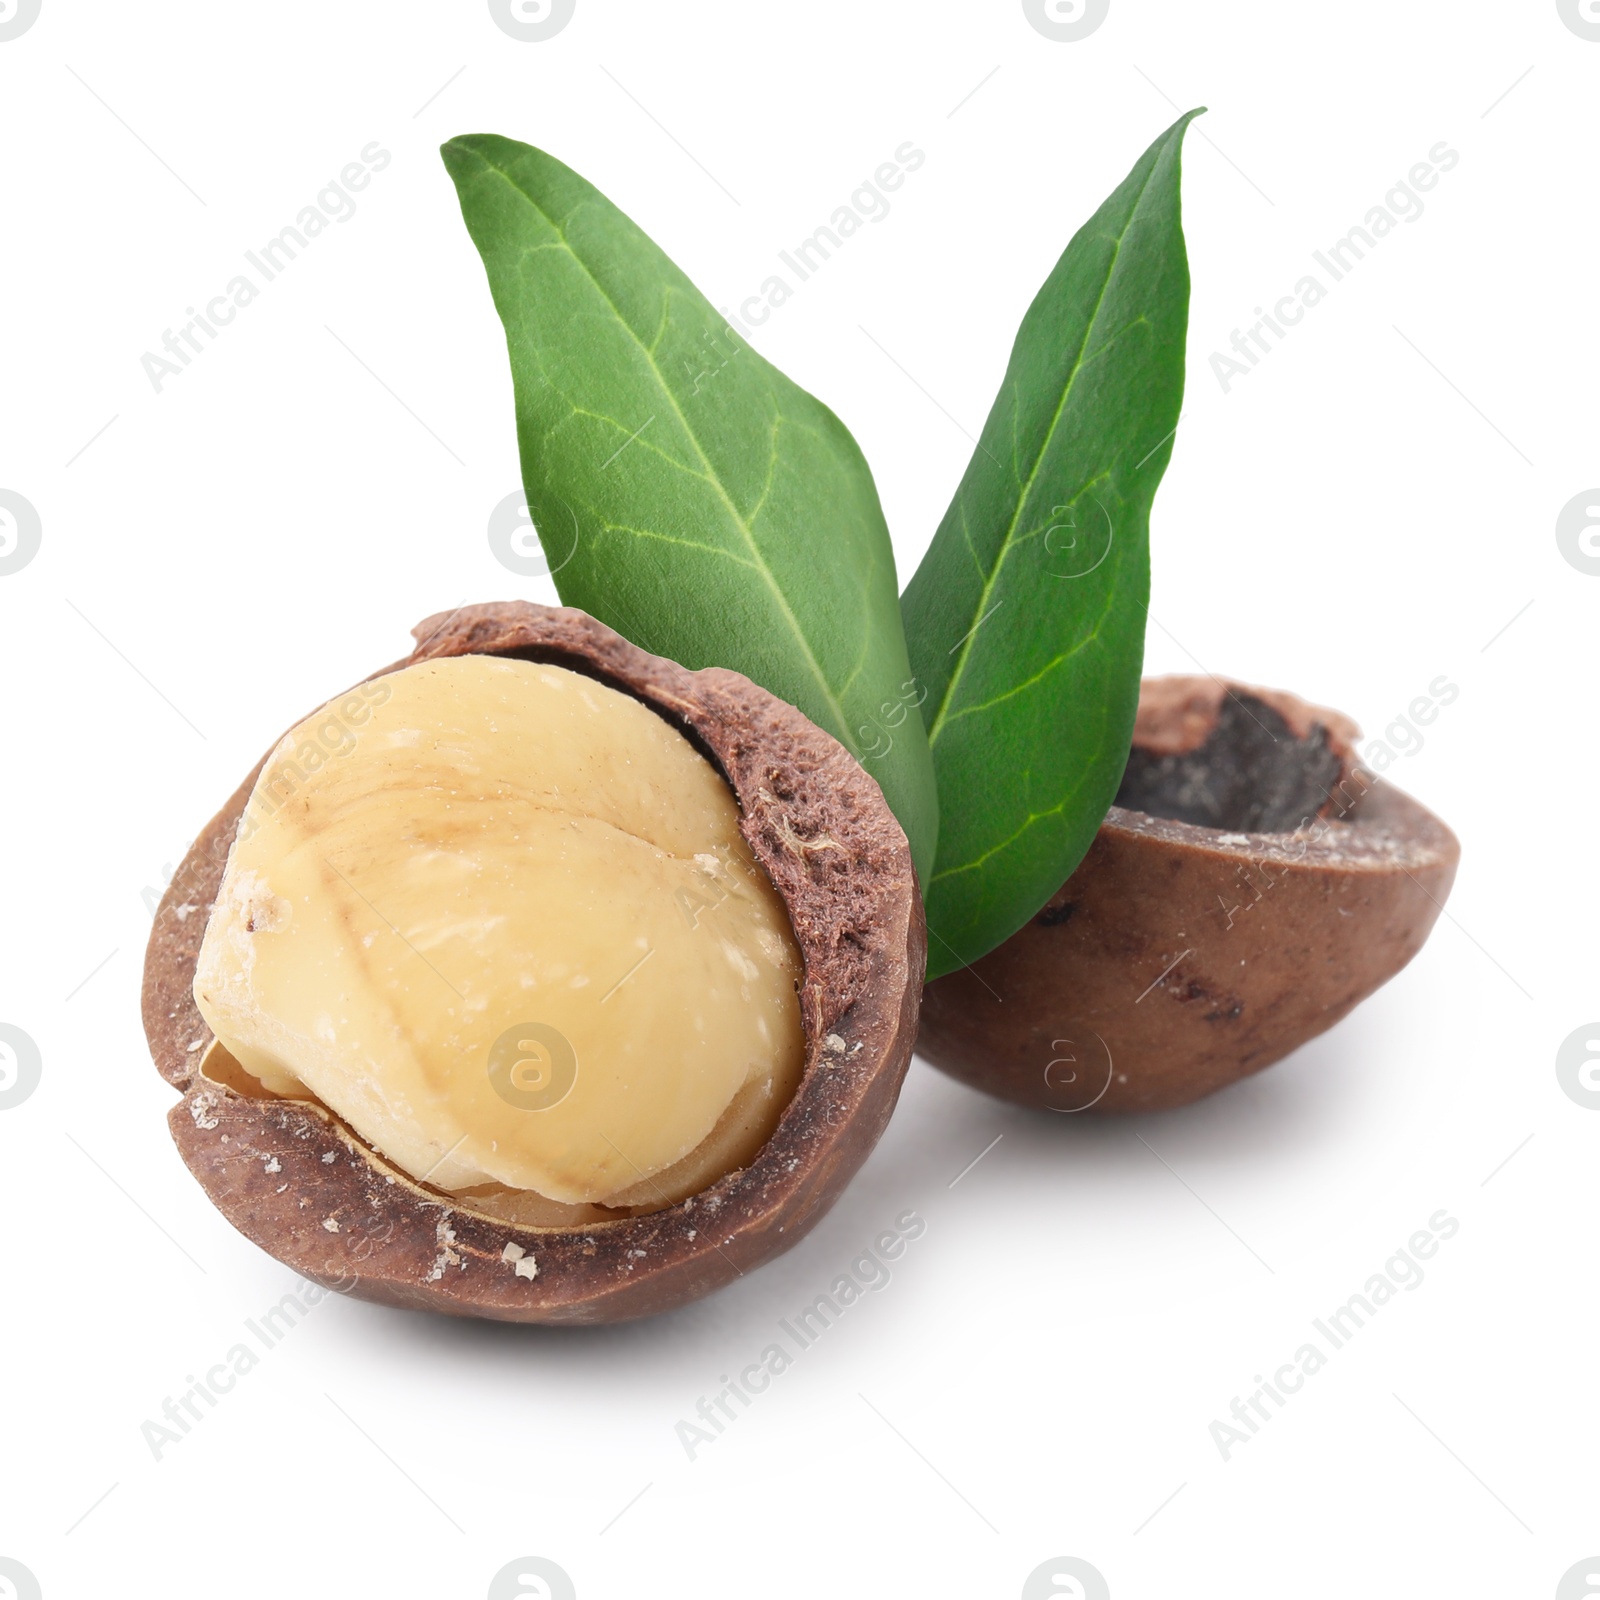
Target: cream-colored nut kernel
[500,918]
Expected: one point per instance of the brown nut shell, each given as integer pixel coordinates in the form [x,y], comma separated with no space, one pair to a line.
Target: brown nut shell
[293,1178]
[1251,886]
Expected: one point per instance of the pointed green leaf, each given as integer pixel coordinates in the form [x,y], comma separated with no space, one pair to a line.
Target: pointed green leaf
[1026,618]
[686,492]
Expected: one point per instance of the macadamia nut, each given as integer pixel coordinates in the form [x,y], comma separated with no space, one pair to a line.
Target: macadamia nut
[500,918]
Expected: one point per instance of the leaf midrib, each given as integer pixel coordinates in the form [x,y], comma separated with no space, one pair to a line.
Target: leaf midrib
[1031,820]
[710,473]
[1026,489]
[1035,817]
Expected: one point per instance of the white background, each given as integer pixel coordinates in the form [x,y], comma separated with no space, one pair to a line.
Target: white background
[1367,510]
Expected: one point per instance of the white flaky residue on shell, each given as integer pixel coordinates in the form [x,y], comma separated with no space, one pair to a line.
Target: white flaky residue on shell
[445,1237]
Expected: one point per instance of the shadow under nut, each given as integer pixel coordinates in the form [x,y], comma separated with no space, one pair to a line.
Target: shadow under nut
[299,1183]
[1180,957]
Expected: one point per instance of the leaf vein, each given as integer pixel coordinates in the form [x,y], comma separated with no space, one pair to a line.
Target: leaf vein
[758,564]
[1027,488]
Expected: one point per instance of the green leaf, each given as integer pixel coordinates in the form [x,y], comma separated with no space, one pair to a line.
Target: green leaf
[1026,618]
[686,492]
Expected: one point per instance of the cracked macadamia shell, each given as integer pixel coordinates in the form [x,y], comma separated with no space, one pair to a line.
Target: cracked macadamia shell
[1251,886]
[295,1179]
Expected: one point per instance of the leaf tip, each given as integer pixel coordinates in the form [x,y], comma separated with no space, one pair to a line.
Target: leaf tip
[476,150]
[456,152]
